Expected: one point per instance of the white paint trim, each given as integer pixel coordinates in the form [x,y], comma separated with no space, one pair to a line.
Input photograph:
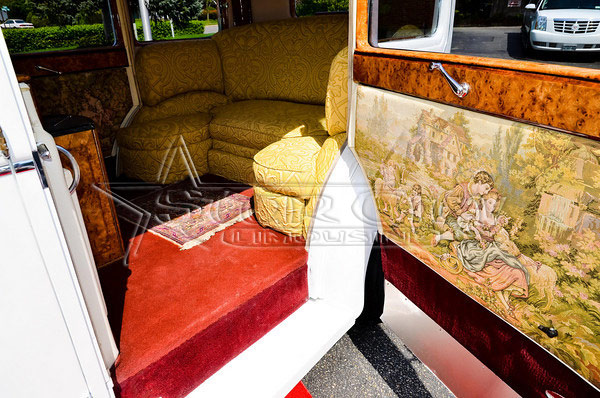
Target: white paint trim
[272,366]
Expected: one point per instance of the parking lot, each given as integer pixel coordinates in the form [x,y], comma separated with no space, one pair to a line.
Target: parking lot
[505,42]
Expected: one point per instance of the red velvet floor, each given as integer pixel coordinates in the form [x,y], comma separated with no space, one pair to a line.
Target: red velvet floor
[187,313]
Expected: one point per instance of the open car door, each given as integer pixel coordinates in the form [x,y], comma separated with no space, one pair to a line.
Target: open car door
[48,342]
[485,176]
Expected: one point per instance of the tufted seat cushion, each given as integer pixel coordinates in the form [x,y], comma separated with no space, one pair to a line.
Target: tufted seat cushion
[181,105]
[288,166]
[165,150]
[164,133]
[281,212]
[258,123]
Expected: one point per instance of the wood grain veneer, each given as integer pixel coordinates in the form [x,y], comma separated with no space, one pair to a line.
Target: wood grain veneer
[96,204]
[70,61]
[563,103]
[566,98]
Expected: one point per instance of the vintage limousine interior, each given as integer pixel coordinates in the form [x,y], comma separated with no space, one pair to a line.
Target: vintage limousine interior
[231,140]
[202,164]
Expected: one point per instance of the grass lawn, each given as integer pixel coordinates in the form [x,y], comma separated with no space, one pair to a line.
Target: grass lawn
[47,49]
[178,37]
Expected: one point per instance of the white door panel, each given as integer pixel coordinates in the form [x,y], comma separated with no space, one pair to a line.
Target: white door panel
[47,341]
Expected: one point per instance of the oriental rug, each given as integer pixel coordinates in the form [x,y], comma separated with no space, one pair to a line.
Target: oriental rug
[200,225]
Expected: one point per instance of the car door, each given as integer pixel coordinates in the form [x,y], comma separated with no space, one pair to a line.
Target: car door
[484,172]
[48,342]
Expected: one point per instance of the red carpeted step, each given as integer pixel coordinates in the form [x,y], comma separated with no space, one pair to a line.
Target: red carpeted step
[187,313]
[299,392]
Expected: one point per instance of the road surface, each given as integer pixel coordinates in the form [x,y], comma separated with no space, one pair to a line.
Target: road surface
[505,42]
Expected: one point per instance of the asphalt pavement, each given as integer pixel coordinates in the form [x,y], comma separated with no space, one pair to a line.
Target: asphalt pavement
[372,362]
[505,42]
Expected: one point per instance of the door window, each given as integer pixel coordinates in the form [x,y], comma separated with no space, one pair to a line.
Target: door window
[46,26]
[161,20]
[312,7]
[563,32]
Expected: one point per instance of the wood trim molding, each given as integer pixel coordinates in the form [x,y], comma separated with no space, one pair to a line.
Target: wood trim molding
[563,103]
[71,61]
[564,98]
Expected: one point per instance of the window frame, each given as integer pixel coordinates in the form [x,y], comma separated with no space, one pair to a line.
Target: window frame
[79,59]
[363,45]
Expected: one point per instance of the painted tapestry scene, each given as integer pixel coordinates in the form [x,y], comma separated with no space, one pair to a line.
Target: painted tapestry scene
[507,212]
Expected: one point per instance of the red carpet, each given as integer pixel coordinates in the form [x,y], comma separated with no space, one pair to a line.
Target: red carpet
[187,313]
[299,392]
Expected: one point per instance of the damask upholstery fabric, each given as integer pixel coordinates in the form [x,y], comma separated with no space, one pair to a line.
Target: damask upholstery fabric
[165,133]
[329,152]
[281,212]
[234,149]
[181,105]
[285,60]
[336,103]
[168,165]
[288,166]
[295,168]
[230,166]
[309,210]
[167,69]
[256,124]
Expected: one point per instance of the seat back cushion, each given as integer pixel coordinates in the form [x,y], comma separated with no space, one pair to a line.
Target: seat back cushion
[181,105]
[282,60]
[171,68]
[336,103]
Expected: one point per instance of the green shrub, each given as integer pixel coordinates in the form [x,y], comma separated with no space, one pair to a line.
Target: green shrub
[161,30]
[39,39]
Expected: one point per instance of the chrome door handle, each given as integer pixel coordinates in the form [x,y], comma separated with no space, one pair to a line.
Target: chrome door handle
[74,165]
[460,89]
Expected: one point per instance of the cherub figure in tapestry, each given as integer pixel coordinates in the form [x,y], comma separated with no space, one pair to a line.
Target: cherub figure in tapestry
[386,188]
[415,207]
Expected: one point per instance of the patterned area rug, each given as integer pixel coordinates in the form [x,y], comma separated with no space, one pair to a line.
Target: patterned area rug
[200,225]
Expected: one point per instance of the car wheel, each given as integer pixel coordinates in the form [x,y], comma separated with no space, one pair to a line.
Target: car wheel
[526,44]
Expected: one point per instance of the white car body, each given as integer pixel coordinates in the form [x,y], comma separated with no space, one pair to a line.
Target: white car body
[565,29]
[16,24]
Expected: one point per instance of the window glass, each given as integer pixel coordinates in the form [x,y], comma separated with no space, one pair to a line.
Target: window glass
[416,18]
[53,25]
[564,32]
[184,19]
[312,7]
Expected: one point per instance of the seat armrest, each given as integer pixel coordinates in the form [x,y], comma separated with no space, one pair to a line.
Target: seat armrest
[336,101]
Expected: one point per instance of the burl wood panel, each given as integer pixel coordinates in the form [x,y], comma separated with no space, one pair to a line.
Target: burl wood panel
[70,61]
[565,98]
[564,103]
[95,201]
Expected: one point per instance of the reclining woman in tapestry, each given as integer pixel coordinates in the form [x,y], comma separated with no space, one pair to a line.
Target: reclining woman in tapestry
[492,259]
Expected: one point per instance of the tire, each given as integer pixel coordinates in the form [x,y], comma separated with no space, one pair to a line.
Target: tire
[526,44]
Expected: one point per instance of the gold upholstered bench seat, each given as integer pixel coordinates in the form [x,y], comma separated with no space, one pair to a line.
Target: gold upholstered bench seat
[241,129]
[165,150]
